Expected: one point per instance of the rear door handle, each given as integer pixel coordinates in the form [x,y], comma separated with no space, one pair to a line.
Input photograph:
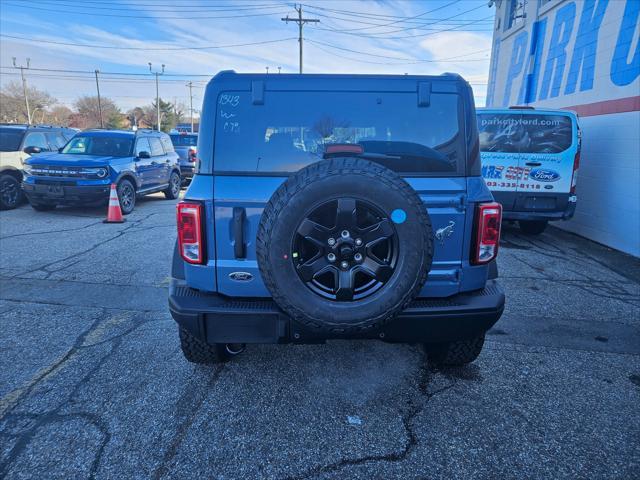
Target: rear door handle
[239,249]
[533,164]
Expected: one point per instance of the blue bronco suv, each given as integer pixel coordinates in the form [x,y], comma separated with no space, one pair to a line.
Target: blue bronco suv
[337,206]
[82,171]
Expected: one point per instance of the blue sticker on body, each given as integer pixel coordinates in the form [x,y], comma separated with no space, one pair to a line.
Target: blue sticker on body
[398,215]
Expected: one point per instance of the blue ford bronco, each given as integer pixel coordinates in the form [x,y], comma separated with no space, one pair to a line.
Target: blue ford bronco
[332,207]
[81,172]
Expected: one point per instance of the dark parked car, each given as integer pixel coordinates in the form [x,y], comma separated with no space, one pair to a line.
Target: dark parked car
[337,206]
[17,143]
[138,163]
[186,145]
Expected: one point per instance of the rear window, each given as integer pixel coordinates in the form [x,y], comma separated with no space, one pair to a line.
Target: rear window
[292,129]
[10,139]
[184,140]
[524,133]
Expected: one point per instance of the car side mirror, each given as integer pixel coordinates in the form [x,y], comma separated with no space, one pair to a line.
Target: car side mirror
[60,149]
[144,154]
[32,150]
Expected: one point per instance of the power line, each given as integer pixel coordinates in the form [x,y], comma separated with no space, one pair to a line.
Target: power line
[130,81]
[117,73]
[181,17]
[174,4]
[382,35]
[436,32]
[409,60]
[362,14]
[360,60]
[133,7]
[405,19]
[210,47]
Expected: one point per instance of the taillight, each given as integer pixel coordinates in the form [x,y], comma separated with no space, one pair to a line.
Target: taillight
[192,155]
[574,176]
[488,220]
[190,239]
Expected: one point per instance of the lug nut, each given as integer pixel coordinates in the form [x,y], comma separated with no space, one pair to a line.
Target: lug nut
[344,265]
[331,257]
[344,234]
[358,241]
[331,242]
[357,257]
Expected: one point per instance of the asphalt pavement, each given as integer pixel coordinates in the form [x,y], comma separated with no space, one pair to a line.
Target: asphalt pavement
[93,383]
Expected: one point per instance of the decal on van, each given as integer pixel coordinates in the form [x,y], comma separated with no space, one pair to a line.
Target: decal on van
[544,175]
[492,171]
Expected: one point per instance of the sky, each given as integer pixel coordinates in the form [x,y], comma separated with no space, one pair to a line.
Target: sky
[195,39]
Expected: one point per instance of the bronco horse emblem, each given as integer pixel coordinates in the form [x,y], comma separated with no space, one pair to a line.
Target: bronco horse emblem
[445,232]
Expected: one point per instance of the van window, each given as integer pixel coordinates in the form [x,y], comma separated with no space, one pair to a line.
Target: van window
[524,133]
[292,129]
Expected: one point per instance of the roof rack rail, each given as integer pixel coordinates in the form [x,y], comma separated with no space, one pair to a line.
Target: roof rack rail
[521,107]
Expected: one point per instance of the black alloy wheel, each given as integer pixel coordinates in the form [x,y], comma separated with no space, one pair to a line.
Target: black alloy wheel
[173,191]
[10,193]
[345,249]
[127,196]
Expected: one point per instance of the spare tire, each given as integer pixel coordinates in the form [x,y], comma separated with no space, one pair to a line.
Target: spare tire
[344,245]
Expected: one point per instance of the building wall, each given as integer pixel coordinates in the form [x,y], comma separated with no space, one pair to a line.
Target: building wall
[582,55]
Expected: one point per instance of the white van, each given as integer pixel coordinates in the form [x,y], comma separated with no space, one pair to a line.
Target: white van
[530,162]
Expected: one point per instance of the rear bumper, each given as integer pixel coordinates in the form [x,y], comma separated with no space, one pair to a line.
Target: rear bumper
[66,194]
[218,319]
[536,206]
[187,171]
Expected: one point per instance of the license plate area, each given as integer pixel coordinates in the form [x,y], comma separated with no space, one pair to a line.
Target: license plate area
[55,190]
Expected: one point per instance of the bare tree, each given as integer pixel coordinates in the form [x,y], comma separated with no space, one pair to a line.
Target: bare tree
[88,113]
[60,115]
[12,106]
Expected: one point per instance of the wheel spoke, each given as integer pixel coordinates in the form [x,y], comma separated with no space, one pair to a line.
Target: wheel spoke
[346,214]
[377,233]
[344,291]
[314,231]
[309,270]
[378,270]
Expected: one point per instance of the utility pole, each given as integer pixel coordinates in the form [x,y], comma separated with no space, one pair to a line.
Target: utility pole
[300,21]
[157,74]
[190,85]
[24,86]
[99,100]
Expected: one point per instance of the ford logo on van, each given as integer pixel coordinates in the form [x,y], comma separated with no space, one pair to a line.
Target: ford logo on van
[542,175]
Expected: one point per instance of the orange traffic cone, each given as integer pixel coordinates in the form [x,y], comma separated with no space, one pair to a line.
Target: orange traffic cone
[114,214]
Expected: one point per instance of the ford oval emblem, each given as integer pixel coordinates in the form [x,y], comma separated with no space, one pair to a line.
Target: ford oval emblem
[543,175]
[241,276]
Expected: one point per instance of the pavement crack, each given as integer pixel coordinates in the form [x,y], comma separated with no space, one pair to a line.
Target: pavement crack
[187,409]
[51,231]
[54,415]
[415,408]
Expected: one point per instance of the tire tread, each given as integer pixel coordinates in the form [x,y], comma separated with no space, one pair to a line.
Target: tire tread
[322,170]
